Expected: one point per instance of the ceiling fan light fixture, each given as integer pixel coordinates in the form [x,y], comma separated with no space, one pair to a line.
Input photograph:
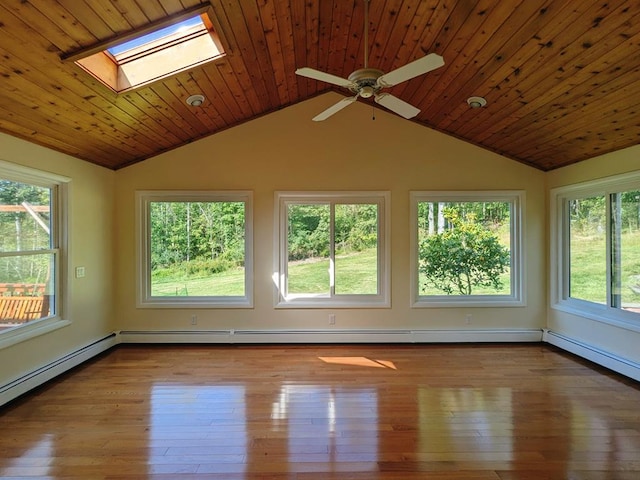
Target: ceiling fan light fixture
[195,100]
[476,102]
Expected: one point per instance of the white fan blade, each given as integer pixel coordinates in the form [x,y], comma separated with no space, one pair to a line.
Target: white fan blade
[323,77]
[345,102]
[411,70]
[396,105]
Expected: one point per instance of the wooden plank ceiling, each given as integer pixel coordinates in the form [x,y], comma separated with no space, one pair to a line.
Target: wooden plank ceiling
[561,77]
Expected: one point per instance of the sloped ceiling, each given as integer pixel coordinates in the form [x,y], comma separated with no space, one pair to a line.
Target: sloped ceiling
[561,77]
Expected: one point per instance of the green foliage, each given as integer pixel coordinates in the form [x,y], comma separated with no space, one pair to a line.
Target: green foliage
[355,229]
[464,256]
[20,232]
[200,236]
[308,231]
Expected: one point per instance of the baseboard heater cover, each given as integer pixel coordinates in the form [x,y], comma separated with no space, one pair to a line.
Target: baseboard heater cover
[329,336]
[39,376]
[614,362]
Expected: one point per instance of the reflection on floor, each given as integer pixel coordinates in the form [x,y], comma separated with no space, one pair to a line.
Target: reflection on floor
[378,412]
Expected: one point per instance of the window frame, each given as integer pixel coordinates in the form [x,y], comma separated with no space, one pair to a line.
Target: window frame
[516,198]
[154,61]
[380,300]
[560,254]
[60,247]
[144,299]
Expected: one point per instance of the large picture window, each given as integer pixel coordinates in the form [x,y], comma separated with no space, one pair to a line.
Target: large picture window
[466,248]
[31,241]
[195,249]
[332,249]
[596,254]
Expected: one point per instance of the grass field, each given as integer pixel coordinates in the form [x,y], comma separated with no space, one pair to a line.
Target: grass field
[588,268]
[356,273]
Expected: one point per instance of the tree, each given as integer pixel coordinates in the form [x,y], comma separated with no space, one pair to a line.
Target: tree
[464,256]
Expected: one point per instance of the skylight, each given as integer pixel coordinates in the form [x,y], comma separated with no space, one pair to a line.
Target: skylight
[152,54]
[163,36]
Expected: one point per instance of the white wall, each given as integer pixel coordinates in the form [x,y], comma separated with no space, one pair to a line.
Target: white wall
[91,305]
[287,151]
[617,341]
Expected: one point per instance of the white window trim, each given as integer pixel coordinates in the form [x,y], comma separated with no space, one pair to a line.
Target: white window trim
[517,298]
[382,300]
[558,267]
[143,290]
[60,227]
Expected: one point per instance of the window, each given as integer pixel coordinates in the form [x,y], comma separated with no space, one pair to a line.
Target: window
[332,249]
[154,52]
[32,234]
[596,255]
[195,249]
[467,249]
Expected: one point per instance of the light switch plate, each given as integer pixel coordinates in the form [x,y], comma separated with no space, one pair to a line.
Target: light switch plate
[80,272]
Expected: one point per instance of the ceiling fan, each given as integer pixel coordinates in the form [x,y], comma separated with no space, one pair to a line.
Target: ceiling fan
[369,82]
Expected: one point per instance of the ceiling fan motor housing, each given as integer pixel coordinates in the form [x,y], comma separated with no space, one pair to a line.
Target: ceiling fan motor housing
[365,81]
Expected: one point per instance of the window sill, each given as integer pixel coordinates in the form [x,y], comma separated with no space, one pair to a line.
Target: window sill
[309,303]
[599,316]
[462,302]
[196,302]
[20,334]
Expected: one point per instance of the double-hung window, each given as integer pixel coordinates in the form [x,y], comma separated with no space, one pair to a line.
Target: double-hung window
[332,249]
[466,249]
[596,248]
[32,245]
[195,249]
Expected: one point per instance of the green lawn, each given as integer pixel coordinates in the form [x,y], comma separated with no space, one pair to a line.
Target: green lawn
[228,283]
[588,268]
[356,273]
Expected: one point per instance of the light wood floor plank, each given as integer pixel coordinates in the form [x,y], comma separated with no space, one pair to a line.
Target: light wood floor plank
[374,412]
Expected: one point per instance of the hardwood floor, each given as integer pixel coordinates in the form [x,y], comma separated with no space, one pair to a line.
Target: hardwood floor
[397,412]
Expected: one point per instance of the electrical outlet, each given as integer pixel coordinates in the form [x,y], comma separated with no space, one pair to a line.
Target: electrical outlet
[332,319]
[467,318]
[194,319]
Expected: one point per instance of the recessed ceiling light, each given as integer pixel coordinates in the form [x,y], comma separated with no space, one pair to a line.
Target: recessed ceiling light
[195,100]
[476,102]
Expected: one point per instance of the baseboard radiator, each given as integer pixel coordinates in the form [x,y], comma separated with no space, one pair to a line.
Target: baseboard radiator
[329,336]
[606,359]
[31,380]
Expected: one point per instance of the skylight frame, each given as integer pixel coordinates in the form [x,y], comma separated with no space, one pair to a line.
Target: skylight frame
[156,59]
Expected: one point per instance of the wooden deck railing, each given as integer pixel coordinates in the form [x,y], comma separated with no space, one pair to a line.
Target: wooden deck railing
[21,302]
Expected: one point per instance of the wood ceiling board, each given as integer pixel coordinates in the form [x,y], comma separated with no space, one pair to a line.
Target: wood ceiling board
[561,77]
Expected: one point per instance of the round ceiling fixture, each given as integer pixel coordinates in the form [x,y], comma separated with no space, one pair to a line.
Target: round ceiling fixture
[195,100]
[476,102]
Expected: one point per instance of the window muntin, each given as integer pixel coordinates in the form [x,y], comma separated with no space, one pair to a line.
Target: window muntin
[596,255]
[332,249]
[31,240]
[490,219]
[196,249]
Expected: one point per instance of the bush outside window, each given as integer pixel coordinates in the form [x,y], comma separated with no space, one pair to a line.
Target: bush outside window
[466,248]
